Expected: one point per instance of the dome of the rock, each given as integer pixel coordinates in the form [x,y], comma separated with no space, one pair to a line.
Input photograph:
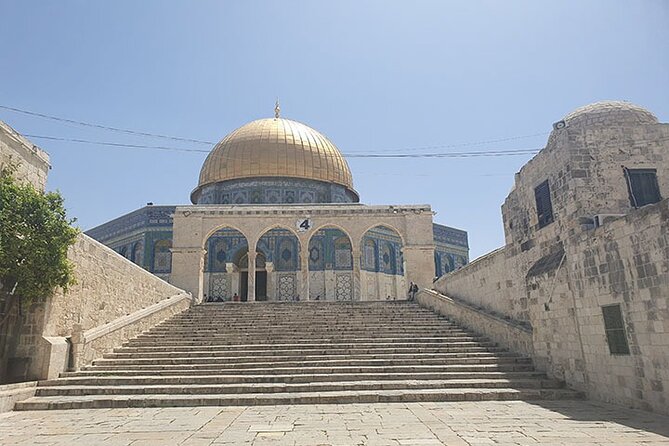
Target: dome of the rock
[261,161]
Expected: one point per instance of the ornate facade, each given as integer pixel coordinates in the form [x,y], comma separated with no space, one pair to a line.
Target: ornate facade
[276,165]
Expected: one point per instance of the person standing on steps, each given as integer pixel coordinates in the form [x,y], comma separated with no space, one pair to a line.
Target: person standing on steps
[414,290]
[410,293]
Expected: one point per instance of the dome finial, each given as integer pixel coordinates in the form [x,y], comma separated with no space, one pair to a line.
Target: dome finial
[277,109]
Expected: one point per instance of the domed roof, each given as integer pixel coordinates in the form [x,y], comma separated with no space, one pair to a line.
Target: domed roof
[607,112]
[275,147]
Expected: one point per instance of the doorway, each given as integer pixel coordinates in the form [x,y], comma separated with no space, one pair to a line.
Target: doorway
[261,286]
[244,286]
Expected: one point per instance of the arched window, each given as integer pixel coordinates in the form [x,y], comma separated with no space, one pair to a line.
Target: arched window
[137,255]
[162,257]
[370,256]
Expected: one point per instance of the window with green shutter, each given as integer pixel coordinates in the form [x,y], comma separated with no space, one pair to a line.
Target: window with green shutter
[542,196]
[615,330]
[642,186]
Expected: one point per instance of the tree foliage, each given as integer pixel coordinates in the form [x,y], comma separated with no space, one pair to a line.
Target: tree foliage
[35,235]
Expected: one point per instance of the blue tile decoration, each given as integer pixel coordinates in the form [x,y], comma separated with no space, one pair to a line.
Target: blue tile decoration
[274,191]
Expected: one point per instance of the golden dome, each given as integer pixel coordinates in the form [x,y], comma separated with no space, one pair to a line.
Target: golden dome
[275,147]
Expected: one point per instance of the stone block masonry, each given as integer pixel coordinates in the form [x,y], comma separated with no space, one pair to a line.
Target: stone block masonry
[32,162]
[586,260]
[626,263]
[113,299]
[109,288]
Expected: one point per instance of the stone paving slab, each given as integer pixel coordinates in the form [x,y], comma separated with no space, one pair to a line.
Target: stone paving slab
[515,423]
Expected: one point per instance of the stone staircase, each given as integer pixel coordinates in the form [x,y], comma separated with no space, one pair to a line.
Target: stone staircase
[299,353]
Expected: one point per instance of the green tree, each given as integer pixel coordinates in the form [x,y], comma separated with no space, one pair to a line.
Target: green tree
[35,235]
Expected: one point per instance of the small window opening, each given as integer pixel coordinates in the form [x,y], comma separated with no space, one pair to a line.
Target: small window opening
[542,195]
[642,186]
[615,330]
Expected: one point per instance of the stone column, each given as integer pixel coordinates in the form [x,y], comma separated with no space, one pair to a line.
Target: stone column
[420,265]
[356,274]
[251,296]
[232,275]
[271,282]
[187,265]
[304,273]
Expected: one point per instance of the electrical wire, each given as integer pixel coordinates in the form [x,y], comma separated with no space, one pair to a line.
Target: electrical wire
[104,127]
[388,153]
[114,144]
[199,141]
[499,152]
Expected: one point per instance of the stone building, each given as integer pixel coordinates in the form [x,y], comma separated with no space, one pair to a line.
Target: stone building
[317,241]
[582,283]
[31,162]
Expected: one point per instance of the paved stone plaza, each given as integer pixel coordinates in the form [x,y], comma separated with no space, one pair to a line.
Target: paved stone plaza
[453,424]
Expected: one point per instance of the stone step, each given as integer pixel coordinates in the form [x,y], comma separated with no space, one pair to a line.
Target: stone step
[376,316]
[228,363]
[255,399]
[299,353]
[213,322]
[294,340]
[271,370]
[301,336]
[271,332]
[295,318]
[281,328]
[296,356]
[214,389]
[322,347]
[94,379]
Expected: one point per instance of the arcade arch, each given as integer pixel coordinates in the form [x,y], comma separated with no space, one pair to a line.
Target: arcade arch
[382,264]
[225,260]
[279,278]
[331,275]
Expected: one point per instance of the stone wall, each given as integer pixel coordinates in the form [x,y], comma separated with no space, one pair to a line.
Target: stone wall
[32,162]
[624,262]
[508,333]
[109,287]
[32,167]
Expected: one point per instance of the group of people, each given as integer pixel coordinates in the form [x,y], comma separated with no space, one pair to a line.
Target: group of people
[413,289]
[219,298]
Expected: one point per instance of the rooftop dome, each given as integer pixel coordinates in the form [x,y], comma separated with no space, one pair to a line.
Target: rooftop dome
[607,112]
[275,147]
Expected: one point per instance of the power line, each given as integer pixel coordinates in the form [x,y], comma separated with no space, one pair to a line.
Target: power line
[349,154]
[104,127]
[500,152]
[114,144]
[210,143]
[446,155]
[464,144]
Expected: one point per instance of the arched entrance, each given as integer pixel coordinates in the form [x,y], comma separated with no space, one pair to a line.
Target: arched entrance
[330,265]
[224,260]
[280,249]
[382,265]
[260,276]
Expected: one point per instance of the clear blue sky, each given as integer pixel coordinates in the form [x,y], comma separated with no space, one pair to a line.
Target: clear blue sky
[371,75]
